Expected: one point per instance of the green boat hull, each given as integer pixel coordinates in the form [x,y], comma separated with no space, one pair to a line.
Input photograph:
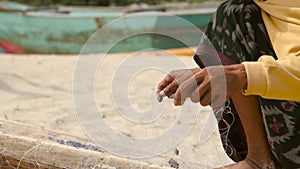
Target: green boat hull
[61,32]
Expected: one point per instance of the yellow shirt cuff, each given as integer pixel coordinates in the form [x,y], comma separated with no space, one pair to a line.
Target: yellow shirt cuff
[256,78]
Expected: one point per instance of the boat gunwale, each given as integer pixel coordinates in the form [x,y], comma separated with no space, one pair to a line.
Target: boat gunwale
[63,14]
[178,9]
[167,6]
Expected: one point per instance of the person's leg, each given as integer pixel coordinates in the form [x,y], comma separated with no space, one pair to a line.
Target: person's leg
[259,154]
[232,132]
[269,125]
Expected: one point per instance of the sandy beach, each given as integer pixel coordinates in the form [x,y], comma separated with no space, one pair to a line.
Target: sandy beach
[38,90]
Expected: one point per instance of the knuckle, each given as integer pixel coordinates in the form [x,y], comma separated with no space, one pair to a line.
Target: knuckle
[161,84]
[169,78]
[172,74]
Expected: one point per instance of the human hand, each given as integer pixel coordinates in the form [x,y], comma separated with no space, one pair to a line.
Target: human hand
[209,86]
[215,85]
[170,83]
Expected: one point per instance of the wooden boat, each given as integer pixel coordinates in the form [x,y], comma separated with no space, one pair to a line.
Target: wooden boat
[27,147]
[65,30]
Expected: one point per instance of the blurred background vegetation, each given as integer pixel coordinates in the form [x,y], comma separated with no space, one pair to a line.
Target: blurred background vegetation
[100,2]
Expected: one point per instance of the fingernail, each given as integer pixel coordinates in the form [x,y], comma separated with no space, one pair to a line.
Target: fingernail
[176,103]
[162,93]
[160,96]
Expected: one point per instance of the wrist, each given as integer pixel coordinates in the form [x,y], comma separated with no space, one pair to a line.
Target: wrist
[242,76]
[239,74]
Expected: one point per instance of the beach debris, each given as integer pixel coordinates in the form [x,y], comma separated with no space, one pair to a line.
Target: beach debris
[173,163]
[75,144]
[102,166]
[176,151]
[108,167]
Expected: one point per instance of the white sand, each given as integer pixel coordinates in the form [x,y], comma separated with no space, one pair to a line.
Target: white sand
[38,90]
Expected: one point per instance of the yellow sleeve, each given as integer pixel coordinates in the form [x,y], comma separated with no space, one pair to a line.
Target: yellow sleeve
[274,79]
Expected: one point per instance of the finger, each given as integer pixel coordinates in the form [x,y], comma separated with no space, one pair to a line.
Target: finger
[217,101]
[195,96]
[210,95]
[218,97]
[205,99]
[214,101]
[179,102]
[184,91]
[184,76]
[171,88]
[165,82]
[177,99]
[204,91]
[167,91]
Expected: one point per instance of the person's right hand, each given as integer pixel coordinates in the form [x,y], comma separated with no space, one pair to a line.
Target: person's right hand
[173,80]
[212,85]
